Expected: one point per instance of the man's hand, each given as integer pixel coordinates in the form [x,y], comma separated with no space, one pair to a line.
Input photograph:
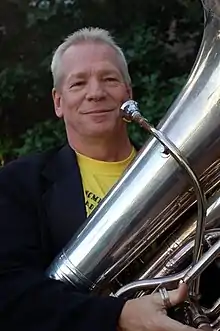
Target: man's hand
[149,314]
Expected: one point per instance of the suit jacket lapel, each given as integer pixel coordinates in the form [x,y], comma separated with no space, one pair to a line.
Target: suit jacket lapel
[63,199]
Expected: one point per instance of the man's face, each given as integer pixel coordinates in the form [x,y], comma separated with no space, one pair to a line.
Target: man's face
[92,91]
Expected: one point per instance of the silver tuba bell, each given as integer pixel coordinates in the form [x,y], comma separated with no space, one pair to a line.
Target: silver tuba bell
[170,195]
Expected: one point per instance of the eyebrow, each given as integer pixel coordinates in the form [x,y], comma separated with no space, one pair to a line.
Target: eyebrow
[82,74]
[77,75]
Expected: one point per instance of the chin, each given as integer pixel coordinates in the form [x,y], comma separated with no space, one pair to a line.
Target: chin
[102,130]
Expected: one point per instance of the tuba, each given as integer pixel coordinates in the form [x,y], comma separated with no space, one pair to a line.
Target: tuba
[160,223]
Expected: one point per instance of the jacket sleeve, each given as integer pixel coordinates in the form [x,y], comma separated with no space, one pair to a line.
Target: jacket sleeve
[29,300]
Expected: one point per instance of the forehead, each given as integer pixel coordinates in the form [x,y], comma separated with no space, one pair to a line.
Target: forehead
[84,56]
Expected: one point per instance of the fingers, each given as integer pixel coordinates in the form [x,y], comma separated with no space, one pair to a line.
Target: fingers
[178,295]
[175,296]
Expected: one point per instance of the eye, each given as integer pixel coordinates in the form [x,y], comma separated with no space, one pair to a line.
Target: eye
[77,83]
[110,79]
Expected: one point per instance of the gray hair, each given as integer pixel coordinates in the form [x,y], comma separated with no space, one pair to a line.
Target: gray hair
[87,34]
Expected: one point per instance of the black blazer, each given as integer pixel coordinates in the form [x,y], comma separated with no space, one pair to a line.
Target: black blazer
[41,207]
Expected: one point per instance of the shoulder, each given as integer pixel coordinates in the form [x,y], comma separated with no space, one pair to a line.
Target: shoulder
[33,160]
[26,167]
[22,179]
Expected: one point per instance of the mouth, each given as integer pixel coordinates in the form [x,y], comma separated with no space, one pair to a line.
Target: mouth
[98,111]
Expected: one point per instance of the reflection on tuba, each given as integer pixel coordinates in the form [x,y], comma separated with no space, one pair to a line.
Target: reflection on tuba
[170,194]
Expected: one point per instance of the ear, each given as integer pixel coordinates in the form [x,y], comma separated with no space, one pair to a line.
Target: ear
[57,102]
[129,91]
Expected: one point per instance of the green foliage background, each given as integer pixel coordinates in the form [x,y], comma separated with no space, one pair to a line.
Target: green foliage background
[160,40]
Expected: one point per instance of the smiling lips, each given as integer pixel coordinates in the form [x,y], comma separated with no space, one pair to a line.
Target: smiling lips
[98,111]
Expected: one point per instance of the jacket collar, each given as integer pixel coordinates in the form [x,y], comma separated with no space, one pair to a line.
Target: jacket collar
[63,196]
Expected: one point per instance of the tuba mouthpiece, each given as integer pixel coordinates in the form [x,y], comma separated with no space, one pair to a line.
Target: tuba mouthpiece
[130,110]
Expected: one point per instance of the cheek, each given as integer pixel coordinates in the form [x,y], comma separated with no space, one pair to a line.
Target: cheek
[123,94]
[70,105]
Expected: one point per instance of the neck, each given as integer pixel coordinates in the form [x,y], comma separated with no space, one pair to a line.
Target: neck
[108,150]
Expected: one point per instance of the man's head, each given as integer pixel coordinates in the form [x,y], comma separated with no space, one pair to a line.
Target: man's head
[91,81]
[86,35]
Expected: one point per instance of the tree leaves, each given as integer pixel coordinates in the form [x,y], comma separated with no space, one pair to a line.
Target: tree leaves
[153,34]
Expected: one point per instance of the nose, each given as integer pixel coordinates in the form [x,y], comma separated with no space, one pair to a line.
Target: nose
[95,90]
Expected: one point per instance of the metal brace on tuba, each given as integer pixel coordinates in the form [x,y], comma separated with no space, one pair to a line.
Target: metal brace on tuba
[170,195]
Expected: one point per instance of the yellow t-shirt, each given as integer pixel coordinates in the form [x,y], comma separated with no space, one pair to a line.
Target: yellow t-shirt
[98,177]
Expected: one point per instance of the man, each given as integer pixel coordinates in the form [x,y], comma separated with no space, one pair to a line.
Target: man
[45,198]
